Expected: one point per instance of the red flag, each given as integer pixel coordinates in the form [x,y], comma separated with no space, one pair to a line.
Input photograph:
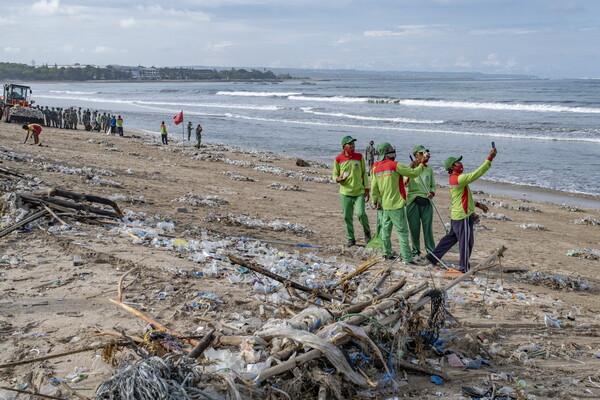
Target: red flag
[178,118]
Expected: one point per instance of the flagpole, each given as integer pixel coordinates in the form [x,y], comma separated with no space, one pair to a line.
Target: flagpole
[182,128]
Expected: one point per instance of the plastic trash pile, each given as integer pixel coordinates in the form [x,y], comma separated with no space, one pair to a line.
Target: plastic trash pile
[201,201]
[499,216]
[533,226]
[557,282]
[590,254]
[588,221]
[84,171]
[508,206]
[570,208]
[237,177]
[281,186]
[244,220]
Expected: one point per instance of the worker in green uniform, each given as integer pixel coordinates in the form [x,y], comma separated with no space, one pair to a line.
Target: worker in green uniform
[350,172]
[419,208]
[388,192]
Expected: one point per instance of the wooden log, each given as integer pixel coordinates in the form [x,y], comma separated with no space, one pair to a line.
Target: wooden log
[42,396]
[67,204]
[203,345]
[358,307]
[422,369]
[362,268]
[83,197]
[251,266]
[153,323]
[23,222]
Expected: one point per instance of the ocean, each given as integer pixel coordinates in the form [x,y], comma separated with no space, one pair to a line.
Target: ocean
[547,132]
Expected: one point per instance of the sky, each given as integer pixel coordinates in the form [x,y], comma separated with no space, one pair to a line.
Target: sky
[546,38]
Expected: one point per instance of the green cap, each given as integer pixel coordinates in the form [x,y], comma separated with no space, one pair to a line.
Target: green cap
[382,148]
[451,160]
[347,139]
[418,149]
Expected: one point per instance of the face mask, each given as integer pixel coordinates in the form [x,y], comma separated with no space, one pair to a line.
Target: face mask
[458,169]
[349,151]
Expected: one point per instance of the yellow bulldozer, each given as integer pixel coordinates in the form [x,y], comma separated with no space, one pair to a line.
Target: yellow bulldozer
[16,105]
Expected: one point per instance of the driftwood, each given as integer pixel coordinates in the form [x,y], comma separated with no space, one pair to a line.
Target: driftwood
[43,396]
[9,173]
[342,339]
[81,197]
[360,306]
[65,205]
[253,267]
[203,345]
[361,268]
[23,222]
[57,355]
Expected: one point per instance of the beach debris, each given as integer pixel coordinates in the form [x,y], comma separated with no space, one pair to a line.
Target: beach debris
[76,201]
[237,177]
[281,186]
[508,206]
[239,163]
[590,254]
[557,281]
[570,208]
[302,163]
[588,221]
[97,181]
[499,216]
[269,169]
[201,201]
[127,199]
[84,171]
[533,226]
[244,220]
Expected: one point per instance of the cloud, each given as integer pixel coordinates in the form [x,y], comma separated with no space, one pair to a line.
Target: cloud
[127,23]
[404,30]
[491,60]
[462,62]
[67,48]
[222,46]
[514,31]
[511,63]
[13,50]
[45,7]
[102,50]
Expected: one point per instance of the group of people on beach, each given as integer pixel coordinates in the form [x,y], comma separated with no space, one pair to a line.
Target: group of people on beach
[71,118]
[403,197]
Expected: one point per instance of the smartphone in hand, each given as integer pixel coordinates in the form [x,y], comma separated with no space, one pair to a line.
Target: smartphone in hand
[493,145]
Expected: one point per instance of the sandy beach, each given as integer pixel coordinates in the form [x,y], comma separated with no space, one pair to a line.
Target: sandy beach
[49,305]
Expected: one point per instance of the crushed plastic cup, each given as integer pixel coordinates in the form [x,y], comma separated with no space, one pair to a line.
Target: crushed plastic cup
[551,322]
[77,260]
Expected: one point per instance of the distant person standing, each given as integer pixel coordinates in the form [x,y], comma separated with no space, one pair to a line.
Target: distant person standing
[163,133]
[120,125]
[35,130]
[370,156]
[112,122]
[350,172]
[198,136]
[189,129]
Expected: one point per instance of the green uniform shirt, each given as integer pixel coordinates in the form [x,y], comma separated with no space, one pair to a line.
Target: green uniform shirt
[421,185]
[356,183]
[387,183]
[460,193]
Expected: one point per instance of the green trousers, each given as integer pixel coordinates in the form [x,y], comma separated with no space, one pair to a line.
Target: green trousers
[354,205]
[396,219]
[420,215]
